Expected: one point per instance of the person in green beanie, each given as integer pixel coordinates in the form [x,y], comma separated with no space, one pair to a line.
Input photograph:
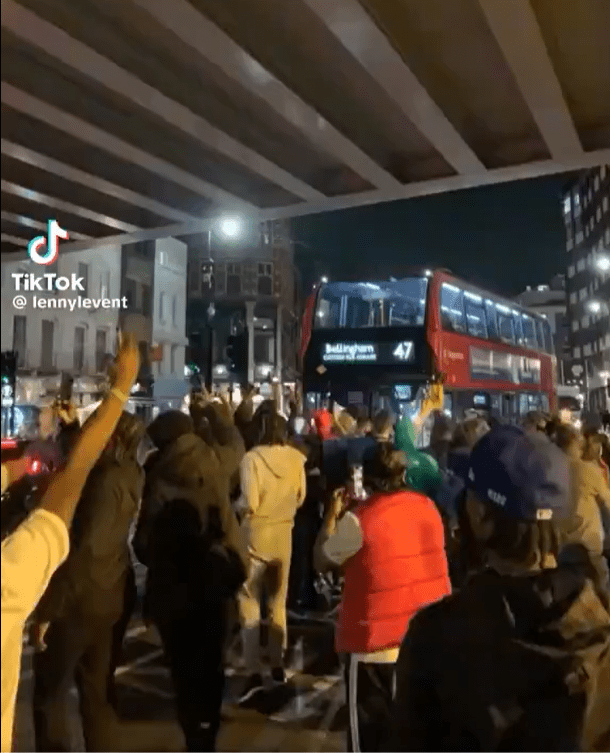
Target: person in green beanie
[423,473]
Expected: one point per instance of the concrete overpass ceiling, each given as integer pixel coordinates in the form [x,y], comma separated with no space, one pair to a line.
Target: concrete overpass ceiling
[149,116]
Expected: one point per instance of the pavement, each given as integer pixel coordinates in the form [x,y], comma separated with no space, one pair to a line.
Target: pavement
[307,714]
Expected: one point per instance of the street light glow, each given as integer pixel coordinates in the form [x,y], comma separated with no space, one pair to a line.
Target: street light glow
[603,263]
[230,227]
[595,307]
[324,280]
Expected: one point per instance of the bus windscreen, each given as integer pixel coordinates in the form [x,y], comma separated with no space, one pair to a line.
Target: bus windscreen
[356,305]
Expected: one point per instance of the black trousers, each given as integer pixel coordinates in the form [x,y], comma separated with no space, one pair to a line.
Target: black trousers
[78,648]
[370,694]
[301,589]
[194,645]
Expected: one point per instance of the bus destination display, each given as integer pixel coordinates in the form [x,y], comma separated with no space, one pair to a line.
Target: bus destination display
[379,353]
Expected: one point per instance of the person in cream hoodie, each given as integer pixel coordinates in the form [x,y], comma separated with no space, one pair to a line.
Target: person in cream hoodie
[273,486]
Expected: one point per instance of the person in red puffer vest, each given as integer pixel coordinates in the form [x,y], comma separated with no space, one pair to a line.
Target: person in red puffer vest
[392,549]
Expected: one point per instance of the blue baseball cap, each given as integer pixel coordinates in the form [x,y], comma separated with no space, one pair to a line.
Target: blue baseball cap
[528,477]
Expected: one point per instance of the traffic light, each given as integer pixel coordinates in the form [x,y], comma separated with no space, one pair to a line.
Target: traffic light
[237,353]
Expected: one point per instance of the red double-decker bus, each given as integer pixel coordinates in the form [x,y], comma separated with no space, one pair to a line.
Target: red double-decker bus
[379,343]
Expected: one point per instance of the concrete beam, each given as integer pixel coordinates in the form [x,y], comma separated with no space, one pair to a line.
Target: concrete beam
[73,174]
[352,201]
[90,134]
[183,20]
[65,206]
[16,241]
[56,42]
[358,33]
[20,219]
[516,29]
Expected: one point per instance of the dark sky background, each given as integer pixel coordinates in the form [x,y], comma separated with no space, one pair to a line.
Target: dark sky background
[501,237]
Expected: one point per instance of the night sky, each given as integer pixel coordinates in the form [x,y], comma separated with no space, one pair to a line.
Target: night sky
[502,237]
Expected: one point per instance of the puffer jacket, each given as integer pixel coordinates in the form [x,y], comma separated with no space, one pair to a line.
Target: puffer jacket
[188,469]
[508,663]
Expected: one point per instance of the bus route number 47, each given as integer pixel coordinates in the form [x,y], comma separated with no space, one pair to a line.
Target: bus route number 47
[403,351]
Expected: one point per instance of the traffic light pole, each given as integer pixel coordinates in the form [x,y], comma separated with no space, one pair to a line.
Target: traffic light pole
[209,366]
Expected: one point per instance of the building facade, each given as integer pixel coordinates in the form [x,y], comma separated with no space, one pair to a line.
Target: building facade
[146,285]
[550,301]
[250,281]
[586,213]
[57,339]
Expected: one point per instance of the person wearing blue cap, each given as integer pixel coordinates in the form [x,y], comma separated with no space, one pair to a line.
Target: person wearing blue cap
[519,657]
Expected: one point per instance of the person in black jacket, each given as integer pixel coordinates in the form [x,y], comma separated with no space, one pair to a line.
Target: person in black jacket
[86,608]
[519,657]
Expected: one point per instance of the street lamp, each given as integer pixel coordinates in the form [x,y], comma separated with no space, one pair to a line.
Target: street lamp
[231,227]
[603,263]
[594,307]
[324,280]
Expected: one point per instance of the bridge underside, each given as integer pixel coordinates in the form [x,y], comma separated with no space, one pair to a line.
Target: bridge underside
[149,118]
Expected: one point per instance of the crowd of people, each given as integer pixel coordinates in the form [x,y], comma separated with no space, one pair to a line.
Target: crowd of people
[472,574]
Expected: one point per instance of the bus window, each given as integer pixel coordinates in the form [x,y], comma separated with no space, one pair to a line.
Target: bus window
[540,335]
[519,339]
[396,303]
[492,323]
[529,332]
[476,320]
[524,406]
[506,327]
[548,337]
[452,308]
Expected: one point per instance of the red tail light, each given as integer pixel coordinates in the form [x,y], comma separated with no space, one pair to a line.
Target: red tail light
[36,467]
[9,444]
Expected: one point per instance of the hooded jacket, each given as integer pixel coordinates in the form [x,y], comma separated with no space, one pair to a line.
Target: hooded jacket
[187,469]
[423,473]
[273,488]
[507,663]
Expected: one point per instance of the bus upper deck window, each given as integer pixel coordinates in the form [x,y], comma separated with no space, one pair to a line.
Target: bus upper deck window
[476,320]
[492,322]
[518,329]
[529,332]
[452,309]
[548,337]
[540,335]
[506,329]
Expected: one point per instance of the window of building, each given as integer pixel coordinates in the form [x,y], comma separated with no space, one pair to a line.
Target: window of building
[576,352]
[585,321]
[596,183]
[579,237]
[582,294]
[265,278]
[586,351]
[605,204]
[83,272]
[105,284]
[131,293]
[602,172]
[452,308]
[174,311]
[569,244]
[79,348]
[575,325]
[598,214]
[607,236]
[233,279]
[147,300]
[571,270]
[580,265]
[100,350]
[573,297]
[162,307]
[48,333]
[476,320]
[567,205]
[172,358]
[19,338]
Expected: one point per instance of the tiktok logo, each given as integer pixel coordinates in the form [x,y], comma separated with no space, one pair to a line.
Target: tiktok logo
[51,241]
